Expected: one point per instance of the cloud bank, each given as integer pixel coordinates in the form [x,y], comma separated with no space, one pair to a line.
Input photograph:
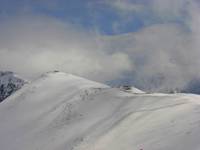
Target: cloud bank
[159,57]
[32,45]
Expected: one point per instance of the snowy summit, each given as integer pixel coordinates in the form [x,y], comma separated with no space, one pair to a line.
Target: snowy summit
[60,111]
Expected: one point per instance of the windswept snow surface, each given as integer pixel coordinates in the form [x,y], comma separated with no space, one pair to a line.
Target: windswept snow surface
[59,111]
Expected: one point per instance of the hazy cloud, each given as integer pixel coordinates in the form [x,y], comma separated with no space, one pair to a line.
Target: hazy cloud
[164,56]
[32,45]
[124,6]
[157,57]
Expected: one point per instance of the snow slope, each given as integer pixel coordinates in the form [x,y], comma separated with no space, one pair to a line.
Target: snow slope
[9,83]
[60,111]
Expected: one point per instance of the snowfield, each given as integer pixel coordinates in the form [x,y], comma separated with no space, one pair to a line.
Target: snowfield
[60,111]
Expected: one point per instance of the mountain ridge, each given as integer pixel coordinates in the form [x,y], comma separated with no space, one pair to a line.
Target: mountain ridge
[59,111]
[9,84]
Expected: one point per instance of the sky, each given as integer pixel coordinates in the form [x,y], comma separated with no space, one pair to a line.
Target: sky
[151,44]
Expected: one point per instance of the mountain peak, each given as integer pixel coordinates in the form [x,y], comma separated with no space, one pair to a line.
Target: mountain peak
[4,73]
[9,83]
[61,78]
[64,112]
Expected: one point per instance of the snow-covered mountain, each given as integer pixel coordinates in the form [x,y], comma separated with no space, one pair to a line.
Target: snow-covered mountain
[9,83]
[131,89]
[60,111]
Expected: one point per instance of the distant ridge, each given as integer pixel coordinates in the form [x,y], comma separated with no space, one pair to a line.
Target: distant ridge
[9,83]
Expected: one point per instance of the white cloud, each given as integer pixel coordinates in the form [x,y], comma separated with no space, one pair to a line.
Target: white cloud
[125,5]
[173,8]
[32,45]
[159,57]
[162,8]
[166,56]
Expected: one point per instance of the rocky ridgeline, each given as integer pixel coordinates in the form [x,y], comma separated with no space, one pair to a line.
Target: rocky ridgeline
[9,83]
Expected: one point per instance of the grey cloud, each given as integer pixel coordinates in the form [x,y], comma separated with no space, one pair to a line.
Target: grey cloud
[159,57]
[32,45]
[165,56]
